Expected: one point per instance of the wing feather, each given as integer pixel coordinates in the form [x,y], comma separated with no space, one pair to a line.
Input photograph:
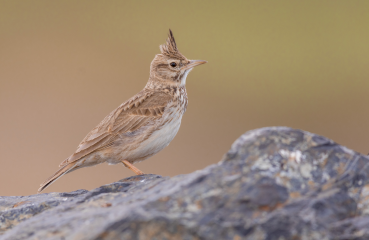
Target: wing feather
[143,108]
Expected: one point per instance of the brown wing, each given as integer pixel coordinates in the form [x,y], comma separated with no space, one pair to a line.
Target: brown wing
[128,117]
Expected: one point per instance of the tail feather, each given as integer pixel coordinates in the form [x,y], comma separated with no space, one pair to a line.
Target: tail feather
[64,170]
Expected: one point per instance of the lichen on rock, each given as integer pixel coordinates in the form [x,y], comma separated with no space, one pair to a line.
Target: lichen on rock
[274,183]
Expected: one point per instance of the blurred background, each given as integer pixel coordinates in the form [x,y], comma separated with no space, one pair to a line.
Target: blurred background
[64,65]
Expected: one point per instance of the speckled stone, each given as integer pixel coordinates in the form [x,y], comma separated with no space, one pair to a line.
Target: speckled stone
[275,183]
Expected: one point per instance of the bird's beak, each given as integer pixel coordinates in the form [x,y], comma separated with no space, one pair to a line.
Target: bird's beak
[194,63]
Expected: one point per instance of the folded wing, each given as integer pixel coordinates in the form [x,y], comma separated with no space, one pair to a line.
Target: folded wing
[137,112]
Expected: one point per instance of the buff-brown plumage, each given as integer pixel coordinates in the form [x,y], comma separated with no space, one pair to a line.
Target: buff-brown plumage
[170,48]
[141,126]
[144,107]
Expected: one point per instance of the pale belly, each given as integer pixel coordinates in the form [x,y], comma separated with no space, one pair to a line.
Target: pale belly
[158,140]
[141,144]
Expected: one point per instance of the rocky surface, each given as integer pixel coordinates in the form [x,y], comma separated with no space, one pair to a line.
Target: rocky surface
[275,183]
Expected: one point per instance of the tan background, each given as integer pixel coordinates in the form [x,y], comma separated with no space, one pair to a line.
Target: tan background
[64,65]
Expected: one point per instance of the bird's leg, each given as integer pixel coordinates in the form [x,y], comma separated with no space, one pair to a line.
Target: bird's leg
[133,168]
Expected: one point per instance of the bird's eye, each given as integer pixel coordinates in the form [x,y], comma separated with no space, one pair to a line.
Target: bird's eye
[173,64]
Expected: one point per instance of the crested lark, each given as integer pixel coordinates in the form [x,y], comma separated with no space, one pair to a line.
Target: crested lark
[141,126]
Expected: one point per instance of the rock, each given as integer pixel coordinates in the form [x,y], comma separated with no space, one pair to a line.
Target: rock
[274,183]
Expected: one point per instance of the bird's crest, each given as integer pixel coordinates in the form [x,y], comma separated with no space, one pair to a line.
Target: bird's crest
[170,48]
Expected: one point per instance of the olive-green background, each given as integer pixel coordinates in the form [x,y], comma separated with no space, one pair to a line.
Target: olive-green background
[64,65]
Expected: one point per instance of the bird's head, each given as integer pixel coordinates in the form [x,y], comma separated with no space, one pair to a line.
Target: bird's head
[171,67]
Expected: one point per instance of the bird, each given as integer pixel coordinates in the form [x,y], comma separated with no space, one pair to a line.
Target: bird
[143,125]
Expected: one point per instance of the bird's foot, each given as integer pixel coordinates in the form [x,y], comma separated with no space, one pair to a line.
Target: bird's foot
[133,168]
